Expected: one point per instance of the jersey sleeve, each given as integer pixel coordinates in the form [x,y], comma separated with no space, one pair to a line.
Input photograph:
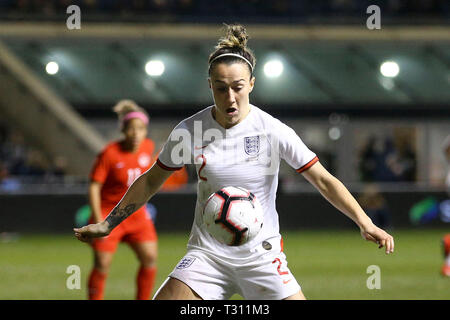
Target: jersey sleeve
[176,152]
[100,169]
[293,150]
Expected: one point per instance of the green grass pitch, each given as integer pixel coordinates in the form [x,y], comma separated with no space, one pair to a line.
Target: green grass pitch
[327,264]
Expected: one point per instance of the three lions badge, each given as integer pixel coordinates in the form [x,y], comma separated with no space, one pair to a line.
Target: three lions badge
[251,145]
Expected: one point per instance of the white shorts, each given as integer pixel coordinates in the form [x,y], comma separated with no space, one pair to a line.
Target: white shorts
[264,277]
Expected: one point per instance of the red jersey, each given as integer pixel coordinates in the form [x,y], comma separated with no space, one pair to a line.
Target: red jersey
[116,169]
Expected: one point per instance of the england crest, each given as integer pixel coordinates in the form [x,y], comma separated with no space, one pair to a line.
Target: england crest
[185,263]
[251,145]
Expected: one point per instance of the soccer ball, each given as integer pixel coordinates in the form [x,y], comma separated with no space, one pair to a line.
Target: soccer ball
[233,216]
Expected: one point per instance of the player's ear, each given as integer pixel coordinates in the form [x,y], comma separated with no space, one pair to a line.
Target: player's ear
[209,83]
[252,84]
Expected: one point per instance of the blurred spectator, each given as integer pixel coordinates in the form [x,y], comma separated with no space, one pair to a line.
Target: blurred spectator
[59,166]
[375,206]
[403,161]
[388,161]
[7,183]
[20,163]
[57,171]
[368,161]
[36,164]
[14,152]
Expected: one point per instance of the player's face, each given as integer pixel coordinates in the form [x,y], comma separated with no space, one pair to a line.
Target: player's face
[231,85]
[135,132]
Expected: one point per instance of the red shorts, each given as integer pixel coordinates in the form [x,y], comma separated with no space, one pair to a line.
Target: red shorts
[141,229]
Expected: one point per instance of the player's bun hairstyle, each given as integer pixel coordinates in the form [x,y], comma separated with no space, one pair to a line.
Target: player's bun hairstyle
[234,42]
[124,107]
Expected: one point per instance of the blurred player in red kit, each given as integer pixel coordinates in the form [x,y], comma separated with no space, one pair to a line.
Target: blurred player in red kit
[114,170]
[446,239]
[446,266]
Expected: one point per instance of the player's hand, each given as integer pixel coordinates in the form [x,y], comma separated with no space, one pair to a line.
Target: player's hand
[379,236]
[87,233]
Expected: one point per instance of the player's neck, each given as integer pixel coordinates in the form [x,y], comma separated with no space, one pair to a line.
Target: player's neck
[129,147]
[227,125]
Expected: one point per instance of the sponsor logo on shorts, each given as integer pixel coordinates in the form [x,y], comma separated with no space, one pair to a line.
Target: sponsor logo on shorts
[185,263]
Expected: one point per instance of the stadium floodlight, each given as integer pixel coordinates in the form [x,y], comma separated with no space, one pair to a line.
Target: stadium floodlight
[389,69]
[273,68]
[52,68]
[154,68]
[334,133]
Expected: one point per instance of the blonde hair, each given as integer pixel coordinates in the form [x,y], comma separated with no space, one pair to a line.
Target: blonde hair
[124,107]
[234,42]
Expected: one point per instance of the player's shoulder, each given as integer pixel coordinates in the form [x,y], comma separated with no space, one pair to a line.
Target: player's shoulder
[111,148]
[265,119]
[189,122]
[149,143]
[260,113]
[108,153]
[272,126]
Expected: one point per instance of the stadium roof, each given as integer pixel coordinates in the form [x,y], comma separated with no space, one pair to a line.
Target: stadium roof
[318,71]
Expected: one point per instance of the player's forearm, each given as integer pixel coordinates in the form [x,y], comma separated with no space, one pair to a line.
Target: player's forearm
[339,196]
[95,201]
[135,197]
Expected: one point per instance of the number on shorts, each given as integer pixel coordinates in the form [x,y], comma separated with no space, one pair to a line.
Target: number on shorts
[279,267]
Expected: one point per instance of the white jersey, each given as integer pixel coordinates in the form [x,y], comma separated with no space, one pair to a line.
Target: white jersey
[246,155]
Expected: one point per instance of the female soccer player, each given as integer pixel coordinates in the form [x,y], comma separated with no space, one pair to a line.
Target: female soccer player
[239,145]
[115,169]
